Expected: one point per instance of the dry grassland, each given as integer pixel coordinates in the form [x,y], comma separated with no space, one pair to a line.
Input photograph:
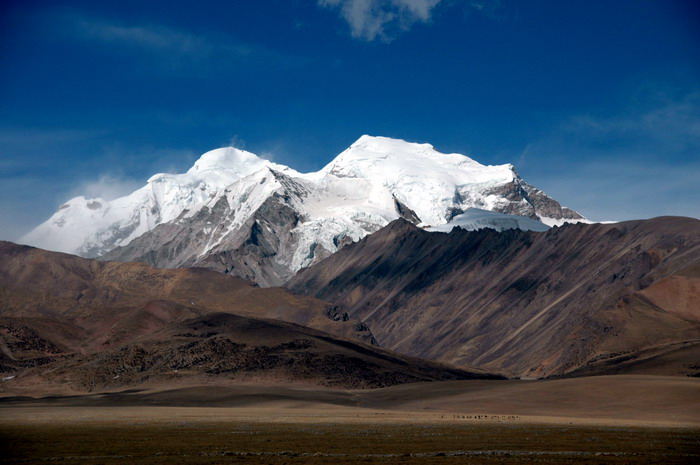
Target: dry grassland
[285,434]
[606,420]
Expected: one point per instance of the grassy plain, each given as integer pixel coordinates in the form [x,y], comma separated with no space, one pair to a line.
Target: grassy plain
[190,437]
[585,421]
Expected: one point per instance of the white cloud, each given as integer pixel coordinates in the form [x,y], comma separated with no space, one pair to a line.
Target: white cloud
[141,162]
[42,168]
[237,141]
[269,156]
[108,187]
[28,200]
[372,19]
[492,9]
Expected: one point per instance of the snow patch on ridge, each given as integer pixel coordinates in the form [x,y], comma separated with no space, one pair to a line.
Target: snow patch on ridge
[475,218]
[551,222]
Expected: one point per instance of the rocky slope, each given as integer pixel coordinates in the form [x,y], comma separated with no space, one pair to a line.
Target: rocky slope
[223,348]
[106,303]
[234,212]
[576,299]
[69,324]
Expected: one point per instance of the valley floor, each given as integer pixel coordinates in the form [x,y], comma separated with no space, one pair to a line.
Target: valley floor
[612,419]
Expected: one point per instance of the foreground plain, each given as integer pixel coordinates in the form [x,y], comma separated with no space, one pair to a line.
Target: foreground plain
[185,439]
[616,419]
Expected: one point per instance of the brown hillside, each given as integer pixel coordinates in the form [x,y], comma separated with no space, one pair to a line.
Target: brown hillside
[112,302]
[71,325]
[597,298]
[224,348]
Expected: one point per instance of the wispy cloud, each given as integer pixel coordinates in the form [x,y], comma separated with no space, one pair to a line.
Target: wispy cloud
[107,186]
[154,38]
[624,189]
[237,141]
[168,47]
[125,161]
[665,123]
[381,19]
[639,162]
[25,201]
[34,149]
[12,136]
[39,170]
[493,9]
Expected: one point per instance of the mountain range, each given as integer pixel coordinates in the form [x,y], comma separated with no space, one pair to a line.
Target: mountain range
[237,213]
[399,264]
[577,299]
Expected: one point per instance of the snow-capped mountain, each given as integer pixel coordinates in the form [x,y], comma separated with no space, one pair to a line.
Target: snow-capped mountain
[92,227]
[235,212]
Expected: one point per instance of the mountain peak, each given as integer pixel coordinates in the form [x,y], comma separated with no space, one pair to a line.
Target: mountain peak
[381,144]
[228,158]
[431,183]
[384,157]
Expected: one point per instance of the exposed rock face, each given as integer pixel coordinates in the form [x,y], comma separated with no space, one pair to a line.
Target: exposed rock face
[576,299]
[526,200]
[259,250]
[406,213]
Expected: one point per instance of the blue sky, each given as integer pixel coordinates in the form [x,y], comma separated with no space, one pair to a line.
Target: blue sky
[595,102]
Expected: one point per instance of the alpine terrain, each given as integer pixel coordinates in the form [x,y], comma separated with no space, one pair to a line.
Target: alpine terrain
[578,299]
[236,213]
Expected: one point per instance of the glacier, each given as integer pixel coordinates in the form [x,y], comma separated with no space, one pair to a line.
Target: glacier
[475,218]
